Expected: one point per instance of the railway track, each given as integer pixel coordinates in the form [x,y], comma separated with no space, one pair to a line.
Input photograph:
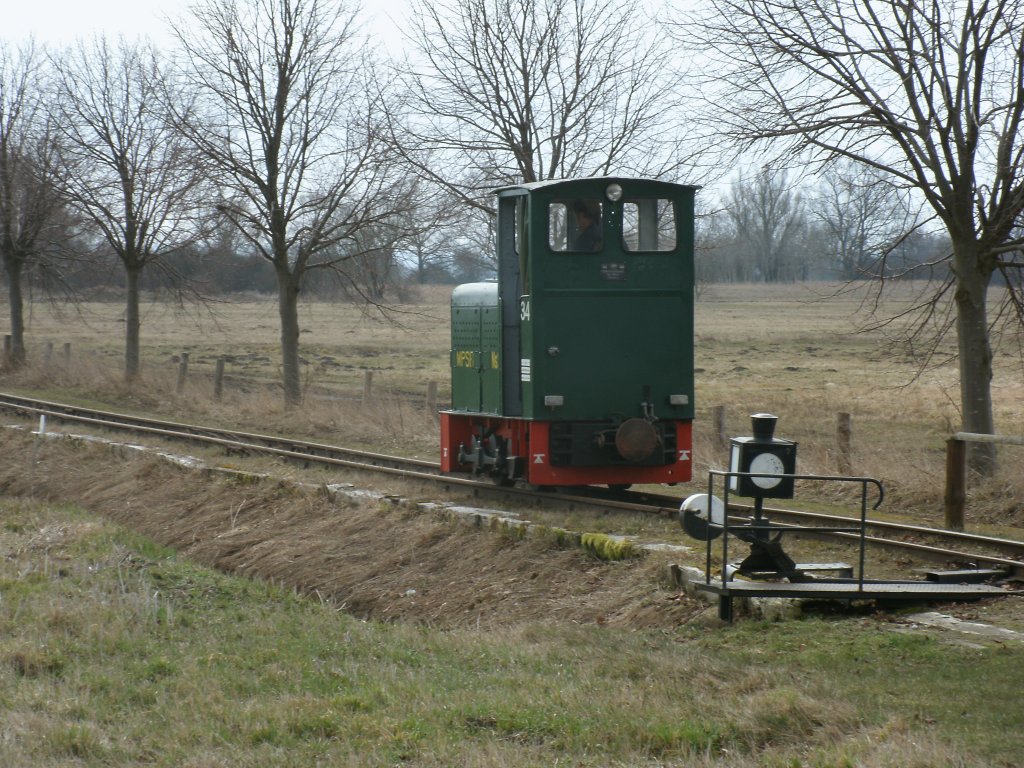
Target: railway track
[924,542]
[930,543]
[230,440]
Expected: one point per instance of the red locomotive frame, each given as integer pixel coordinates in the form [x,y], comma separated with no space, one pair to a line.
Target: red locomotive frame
[527,441]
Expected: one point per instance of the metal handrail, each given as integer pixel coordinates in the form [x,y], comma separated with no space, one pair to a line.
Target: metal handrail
[861,529]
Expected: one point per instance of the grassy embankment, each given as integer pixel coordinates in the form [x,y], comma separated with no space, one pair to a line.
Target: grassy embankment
[115,652]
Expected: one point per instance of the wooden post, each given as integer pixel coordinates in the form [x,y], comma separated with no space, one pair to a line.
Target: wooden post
[8,347]
[67,354]
[844,428]
[218,378]
[956,483]
[432,399]
[367,386]
[182,372]
[718,420]
[48,354]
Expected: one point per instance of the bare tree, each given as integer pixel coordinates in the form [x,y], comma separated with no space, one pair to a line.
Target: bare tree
[430,231]
[430,253]
[767,213]
[30,204]
[442,237]
[715,254]
[863,217]
[289,111]
[503,91]
[930,93]
[126,171]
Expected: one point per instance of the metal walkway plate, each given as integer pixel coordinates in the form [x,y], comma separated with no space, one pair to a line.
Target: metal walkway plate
[872,590]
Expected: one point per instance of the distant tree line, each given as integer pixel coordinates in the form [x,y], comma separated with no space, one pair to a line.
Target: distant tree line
[850,224]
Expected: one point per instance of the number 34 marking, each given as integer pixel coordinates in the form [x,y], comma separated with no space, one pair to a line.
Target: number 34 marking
[524,309]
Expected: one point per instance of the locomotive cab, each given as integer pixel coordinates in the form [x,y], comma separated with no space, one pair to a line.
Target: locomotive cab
[576,366]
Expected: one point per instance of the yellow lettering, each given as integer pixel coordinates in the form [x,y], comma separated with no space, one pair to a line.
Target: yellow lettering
[494,360]
[465,359]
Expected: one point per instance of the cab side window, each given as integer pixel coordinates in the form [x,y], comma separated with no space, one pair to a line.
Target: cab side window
[648,225]
[576,226]
[522,244]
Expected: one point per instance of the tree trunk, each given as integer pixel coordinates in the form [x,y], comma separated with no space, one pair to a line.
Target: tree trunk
[132,325]
[13,268]
[975,355]
[288,307]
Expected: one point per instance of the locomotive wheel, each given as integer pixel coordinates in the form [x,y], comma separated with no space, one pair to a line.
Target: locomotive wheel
[477,456]
[493,452]
[499,472]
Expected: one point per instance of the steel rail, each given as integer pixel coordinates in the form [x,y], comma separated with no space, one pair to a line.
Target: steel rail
[231,438]
[1006,546]
[418,469]
[939,552]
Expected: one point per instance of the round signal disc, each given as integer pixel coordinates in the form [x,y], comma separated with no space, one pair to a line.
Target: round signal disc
[696,520]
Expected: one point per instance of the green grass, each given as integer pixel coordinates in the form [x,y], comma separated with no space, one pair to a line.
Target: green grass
[115,652]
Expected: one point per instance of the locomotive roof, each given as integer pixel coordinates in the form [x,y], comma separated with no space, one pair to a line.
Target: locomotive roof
[553,183]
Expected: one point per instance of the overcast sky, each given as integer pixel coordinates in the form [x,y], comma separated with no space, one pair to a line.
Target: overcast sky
[59,22]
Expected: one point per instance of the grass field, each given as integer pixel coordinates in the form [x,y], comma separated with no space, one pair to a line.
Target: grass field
[421,643]
[793,350]
[115,651]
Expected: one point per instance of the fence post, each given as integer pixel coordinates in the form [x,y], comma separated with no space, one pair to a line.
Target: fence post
[367,386]
[844,429]
[182,372]
[718,422]
[67,354]
[48,354]
[956,483]
[8,347]
[218,378]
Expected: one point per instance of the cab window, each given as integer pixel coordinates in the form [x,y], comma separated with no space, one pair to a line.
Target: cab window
[648,225]
[576,226]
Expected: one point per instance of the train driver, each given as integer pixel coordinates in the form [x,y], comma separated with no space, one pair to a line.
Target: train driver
[588,225]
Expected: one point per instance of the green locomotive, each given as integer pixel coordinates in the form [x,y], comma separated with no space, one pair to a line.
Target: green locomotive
[576,366]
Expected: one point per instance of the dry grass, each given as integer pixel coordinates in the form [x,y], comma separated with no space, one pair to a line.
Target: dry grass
[792,350]
[340,345]
[796,351]
[488,650]
[380,560]
[493,651]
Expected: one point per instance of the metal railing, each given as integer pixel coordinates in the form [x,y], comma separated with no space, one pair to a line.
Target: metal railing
[759,525]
